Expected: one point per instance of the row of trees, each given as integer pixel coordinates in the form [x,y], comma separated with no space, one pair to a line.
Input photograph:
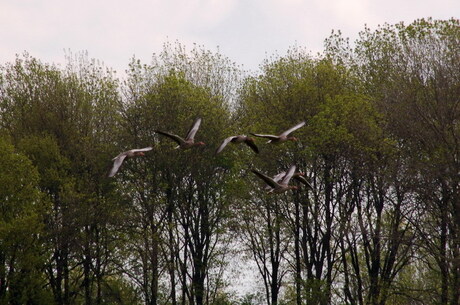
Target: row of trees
[380,224]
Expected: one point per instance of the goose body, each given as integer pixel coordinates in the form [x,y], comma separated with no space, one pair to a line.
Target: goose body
[118,160]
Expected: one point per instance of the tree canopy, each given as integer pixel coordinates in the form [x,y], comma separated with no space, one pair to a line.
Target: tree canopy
[375,217]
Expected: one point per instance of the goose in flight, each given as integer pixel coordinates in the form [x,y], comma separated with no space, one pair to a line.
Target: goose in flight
[283,137]
[296,176]
[237,140]
[282,184]
[118,160]
[189,140]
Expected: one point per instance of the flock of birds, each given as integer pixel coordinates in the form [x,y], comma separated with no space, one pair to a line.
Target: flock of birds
[277,184]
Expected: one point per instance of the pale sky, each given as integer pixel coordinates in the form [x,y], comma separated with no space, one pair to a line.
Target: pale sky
[246,31]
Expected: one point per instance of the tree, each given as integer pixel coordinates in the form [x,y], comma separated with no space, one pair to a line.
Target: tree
[291,89]
[426,124]
[411,72]
[21,202]
[179,217]
[64,121]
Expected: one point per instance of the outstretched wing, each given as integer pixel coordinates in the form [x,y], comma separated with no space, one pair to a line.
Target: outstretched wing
[224,143]
[267,136]
[176,138]
[193,130]
[252,145]
[303,180]
[279,176]
[142,149]
[117,162]
[267,179]
[276,178]
[288,176]
[292,129]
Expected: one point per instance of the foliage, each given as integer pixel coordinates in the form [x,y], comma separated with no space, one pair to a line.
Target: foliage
[21,256]
[378,223]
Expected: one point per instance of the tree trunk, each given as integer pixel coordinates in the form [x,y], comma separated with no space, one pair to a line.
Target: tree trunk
[172,252]
[329,184]
[87,267]
[443,261]
[298,270]
[154,264]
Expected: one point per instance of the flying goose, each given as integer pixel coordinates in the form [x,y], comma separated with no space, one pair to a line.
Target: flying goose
[189,140]
[297,176]
[283,137]
[237,140]
[275,186]
[118,160]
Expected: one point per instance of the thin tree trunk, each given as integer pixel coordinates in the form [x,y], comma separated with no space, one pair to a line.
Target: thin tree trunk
[172,252]
[87,267]
[328,232]
[298,270]
[443,263]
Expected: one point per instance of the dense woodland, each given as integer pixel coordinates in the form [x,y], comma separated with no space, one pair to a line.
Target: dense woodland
[379,225]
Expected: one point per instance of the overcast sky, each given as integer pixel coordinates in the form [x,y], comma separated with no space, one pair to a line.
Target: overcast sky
[246,31]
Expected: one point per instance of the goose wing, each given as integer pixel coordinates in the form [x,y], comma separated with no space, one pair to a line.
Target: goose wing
[303,180]
[267,179]
[279,176]
[288,176]
[117,162]
[141,149]
[292,129]
[253,145]
[176,138]
[193,130]
[276,178]
[224,143]
[267,136]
